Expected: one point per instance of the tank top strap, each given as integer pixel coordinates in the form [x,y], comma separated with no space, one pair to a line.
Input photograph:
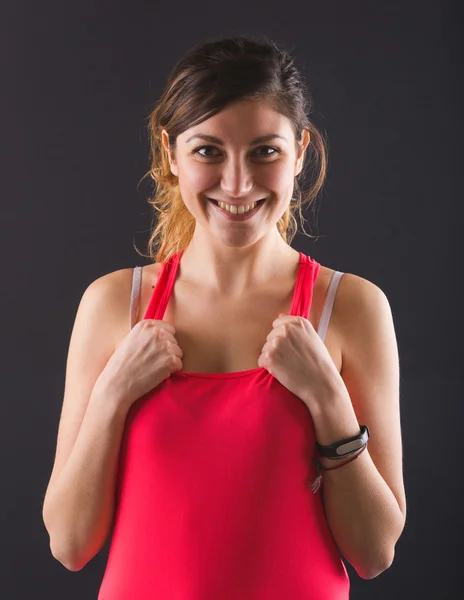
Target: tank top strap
[304,285]
[163,288]
[307,274]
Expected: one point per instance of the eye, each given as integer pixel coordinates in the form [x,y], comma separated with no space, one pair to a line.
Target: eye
[274,150]
[266,154]
[197,150]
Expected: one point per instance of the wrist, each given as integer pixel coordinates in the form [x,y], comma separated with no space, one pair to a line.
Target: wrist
[319,399]
[334,419]
[108,399]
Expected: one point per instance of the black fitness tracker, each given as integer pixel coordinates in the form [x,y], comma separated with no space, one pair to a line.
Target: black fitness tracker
[345,447]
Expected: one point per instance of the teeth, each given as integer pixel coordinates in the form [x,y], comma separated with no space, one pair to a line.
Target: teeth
[237,210]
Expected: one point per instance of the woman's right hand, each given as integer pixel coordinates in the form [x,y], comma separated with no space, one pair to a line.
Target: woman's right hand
[145,357]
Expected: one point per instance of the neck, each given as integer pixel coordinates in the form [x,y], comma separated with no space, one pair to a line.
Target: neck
[232,271]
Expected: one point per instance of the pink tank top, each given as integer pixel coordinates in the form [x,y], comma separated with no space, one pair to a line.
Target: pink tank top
[214,498]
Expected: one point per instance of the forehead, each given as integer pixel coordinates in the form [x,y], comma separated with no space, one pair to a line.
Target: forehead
[242,123]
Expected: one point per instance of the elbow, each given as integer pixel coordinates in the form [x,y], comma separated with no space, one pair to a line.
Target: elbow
[67,559]
[66,550]
[60,554]
[384,560]
[64,560]
[70,562]
[73,555]
[373,570]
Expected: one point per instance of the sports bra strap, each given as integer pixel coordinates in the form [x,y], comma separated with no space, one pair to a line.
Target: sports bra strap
[328,304]
[135,295]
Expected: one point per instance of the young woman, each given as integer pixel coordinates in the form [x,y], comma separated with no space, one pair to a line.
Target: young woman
[242,431]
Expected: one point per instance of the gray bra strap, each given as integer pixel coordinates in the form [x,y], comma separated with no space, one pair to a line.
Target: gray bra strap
[328,304]
[135,295]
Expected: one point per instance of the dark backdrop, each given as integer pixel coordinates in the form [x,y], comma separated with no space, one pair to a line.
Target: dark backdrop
[78,80]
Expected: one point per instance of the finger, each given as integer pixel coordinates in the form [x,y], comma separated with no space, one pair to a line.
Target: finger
[263,359]
[165,335]
[177,350]
[282,319]
[165,325]
[269,347]
[274,334]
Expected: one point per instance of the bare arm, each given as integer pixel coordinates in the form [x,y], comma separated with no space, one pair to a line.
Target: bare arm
[79,508]
[79,502]
[365,500]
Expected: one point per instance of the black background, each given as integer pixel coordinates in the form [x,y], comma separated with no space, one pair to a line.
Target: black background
[78,80]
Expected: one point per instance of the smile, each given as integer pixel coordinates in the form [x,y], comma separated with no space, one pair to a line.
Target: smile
[235,212]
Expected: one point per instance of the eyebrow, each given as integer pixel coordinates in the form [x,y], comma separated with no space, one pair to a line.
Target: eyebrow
[215,140]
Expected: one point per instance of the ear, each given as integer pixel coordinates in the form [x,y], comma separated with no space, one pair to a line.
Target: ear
[169,151]
[302,145]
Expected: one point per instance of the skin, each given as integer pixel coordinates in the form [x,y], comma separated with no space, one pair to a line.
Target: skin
[232,257]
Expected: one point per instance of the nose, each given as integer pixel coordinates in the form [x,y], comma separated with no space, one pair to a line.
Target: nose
[236,180]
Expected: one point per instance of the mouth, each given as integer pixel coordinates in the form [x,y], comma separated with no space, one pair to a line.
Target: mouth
[239,216]
[217,203]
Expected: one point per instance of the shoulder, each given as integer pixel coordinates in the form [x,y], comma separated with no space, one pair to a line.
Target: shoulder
[107,299]
[358,297]
[111,286]
[116,286]
[363,315]
[111,293]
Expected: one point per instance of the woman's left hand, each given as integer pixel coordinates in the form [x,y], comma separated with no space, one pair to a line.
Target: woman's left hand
[297,357]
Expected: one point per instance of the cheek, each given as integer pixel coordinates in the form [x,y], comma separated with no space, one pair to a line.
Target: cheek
[194,179]
[278,179]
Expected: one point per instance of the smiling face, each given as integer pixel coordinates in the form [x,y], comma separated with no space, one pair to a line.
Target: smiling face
[248,154]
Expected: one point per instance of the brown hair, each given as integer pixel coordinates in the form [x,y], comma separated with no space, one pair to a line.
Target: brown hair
[209,77]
